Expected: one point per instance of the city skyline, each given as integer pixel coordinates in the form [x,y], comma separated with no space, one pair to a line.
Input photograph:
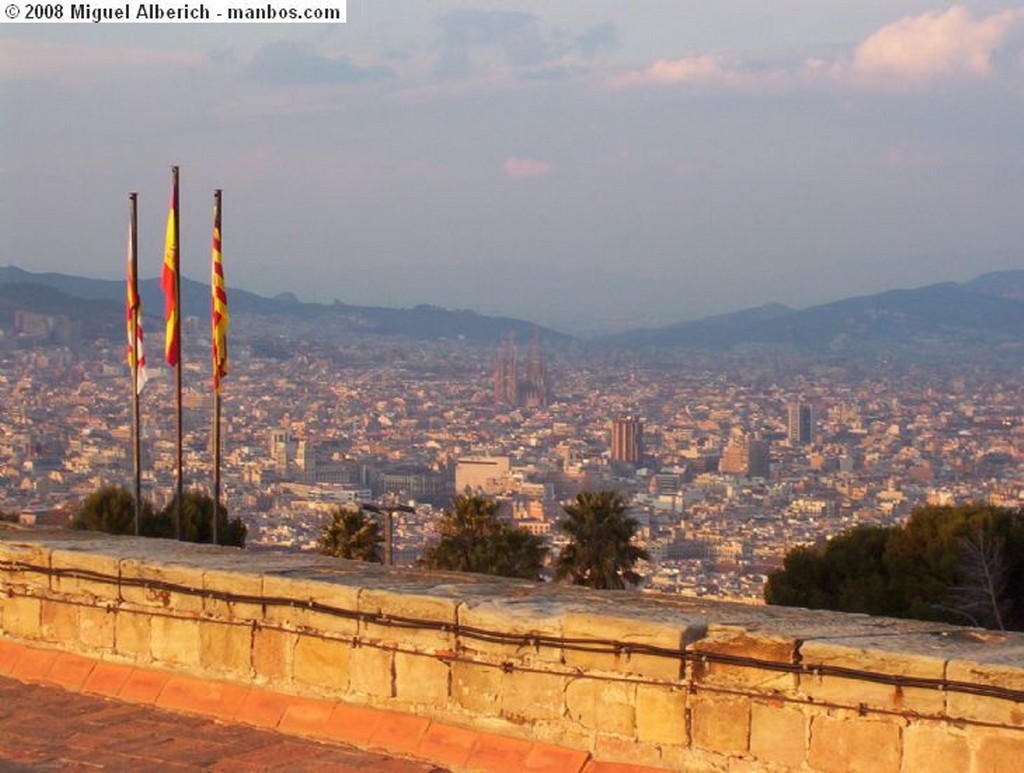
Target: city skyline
[521,158]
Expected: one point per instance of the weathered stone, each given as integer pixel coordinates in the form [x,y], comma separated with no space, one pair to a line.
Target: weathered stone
[720,723]
[409,604]
[225,581]
[422,679]
[225,648]
[936,748]
[15,562]
[852,692]
[778,733]
[661,715]
[371,672]
[854,745]
[131,634]
[272,653]
[174,641]
[737,643]
[527,696]
[322,664]
[149,584]
[476,688]
[303,592]
[632,637]
[984,708]
[604,706]
[524,624]
[96,627]
[58,621]
[22,616]
[66,562]
[1000,752]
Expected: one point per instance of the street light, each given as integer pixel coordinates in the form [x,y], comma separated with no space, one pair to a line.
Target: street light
[388,511]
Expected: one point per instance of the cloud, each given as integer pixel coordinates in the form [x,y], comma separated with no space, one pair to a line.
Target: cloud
[518,168]
[919,48]
[671,71]
[33,58]
[292,62]
[596,38]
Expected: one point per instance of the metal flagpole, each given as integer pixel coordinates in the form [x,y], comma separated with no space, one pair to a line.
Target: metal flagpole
[216,363]
[181,347]
[133,253]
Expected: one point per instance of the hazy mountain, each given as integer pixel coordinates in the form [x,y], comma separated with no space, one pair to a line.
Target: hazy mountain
[102,299]
[978,312]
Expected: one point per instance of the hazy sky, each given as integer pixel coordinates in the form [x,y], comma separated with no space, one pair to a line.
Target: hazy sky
[586,164]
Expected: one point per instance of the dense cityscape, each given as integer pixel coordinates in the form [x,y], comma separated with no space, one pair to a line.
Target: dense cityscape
[728,460]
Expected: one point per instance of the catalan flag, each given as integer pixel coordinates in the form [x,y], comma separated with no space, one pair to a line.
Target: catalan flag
[219,305]
[133,314]
[169,280]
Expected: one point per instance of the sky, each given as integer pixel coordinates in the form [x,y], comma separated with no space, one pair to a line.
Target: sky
[590,165]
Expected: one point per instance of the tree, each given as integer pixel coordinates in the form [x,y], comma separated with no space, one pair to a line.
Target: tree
[196,520]
[962,564]
[601,553]
[110,509]
[475,539]
[349,533]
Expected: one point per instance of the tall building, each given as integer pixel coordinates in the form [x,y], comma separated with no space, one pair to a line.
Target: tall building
[747,456]
[506,381]
[800,424]
[533,390]
[627,439]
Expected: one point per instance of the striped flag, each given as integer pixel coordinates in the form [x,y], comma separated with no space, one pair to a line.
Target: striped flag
[133,313]
[169,281]
[219,305]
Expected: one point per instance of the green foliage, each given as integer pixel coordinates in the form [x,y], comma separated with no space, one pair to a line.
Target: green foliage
[196,521]
[349,533]
[961,564]
[110,509]
[475,539]
[601,553]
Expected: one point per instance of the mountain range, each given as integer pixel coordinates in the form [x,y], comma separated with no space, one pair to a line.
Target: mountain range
[986,311]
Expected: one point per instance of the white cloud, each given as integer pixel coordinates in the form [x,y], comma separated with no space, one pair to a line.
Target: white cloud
[919,48]
[671,71]
[518,168]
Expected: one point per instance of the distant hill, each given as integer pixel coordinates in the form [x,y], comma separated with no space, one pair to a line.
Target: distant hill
[423,322]
[984,311]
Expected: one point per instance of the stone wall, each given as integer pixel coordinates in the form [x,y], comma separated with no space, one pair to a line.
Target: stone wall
[661,681]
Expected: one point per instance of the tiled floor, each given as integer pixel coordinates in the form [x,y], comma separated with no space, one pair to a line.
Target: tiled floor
[45,728]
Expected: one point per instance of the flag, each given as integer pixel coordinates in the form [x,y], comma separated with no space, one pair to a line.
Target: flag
[219,306]
[169,281]
[133,312]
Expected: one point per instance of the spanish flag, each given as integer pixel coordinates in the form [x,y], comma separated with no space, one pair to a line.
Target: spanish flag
[219,304]
[169,278]
[133,314]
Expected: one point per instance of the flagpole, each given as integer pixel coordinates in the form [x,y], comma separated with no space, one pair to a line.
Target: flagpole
[133,250]
[177,336]
[216,364]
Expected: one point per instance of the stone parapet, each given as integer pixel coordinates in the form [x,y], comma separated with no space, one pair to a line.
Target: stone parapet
[627,678]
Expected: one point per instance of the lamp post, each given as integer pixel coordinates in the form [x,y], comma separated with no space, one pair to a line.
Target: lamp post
[388,511]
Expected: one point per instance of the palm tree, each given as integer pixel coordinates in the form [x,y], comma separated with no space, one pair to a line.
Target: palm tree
[475,539]
[349,533]
[601,553]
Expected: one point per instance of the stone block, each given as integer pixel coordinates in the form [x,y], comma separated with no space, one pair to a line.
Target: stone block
[854,744]
[225,648]
[65,562]
[852,692]
[371,672]
[301,592]
[983,708]
[22,616]
[633,635]
[131,634]
[729,643]
[322,664]
[603,706]
[523,621]
[661,715]
[272,653]
[778,733]
[96,628]
[720,723]
[422,679]
[162,586]
[527,696]
[936,748]
[58,621]
[414,603]
[999,752]
[476,688]
[174,641]
[223,581]
[16,567]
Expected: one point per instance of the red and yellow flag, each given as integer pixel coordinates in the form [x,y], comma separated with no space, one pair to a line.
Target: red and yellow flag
[133,314]
[219,305]
[169,280]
